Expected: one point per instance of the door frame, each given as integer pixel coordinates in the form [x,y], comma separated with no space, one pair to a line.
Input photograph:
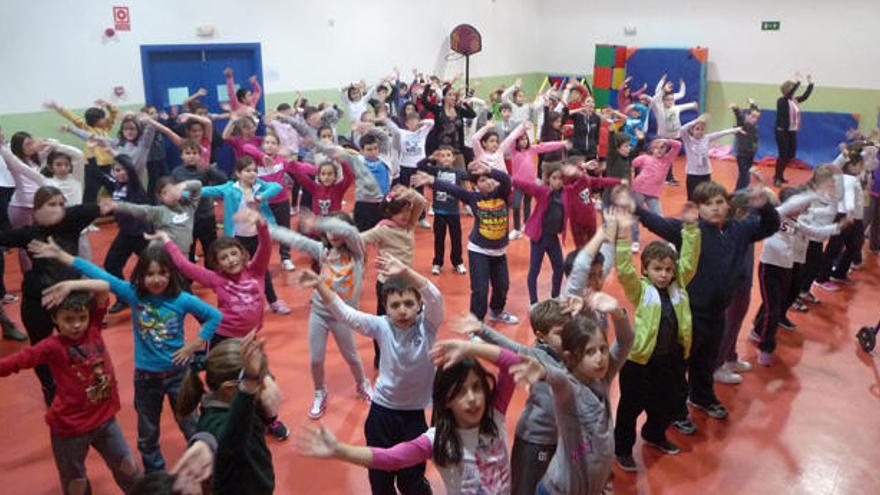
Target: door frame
[148,50]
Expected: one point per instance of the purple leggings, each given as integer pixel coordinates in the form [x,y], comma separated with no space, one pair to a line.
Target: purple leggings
[734,316]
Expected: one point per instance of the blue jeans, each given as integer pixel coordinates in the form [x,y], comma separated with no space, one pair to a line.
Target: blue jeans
[484,269]
[653,204]
[150,390]
[551,247]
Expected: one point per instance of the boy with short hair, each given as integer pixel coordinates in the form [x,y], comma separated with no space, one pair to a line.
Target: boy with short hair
[205,221]
[83,412]
[724,242]
[372,179]
[746,141]
[445,207]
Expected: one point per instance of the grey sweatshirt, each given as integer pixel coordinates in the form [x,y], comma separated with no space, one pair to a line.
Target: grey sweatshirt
[366,187]
[582,461]
[341,269]
[177,221]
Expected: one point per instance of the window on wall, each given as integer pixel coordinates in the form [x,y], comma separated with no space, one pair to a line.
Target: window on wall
[222,95]
[177,95]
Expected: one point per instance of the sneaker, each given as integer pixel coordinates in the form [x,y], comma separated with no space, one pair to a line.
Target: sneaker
[725,375]
[787,324]
[856,267]
[424,224]
[664,446]
[364,391]
[673,182]
[468,211]
[117,307]
[867,338]
[634,247]
[9,299]
[684,426]
[503,317]
[765,359]
[279,307]
[10,332]
[828,286]
[435,270]
[93,228]
[754,337]
[431,211]
[287,265]
[800,307]
[514,235]
[278,430]
[809,298]
[627,463]
[739,366]
[460,269]
[715,411]
[318,404]
[842,280]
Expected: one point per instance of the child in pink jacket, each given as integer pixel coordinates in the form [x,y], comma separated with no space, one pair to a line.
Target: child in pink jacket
[653,168]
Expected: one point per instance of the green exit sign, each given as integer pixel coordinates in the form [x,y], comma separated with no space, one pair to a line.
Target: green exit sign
[770,26]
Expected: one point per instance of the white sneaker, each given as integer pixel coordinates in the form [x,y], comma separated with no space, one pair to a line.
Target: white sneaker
[739,366]
[93,228]
[514,235]
[279,307]
[435,270]
[460,269]
[288,265]
[467,211]
[503,317]
[318,404]
[635,247]
[724,375]
[364,391]
[424,224]
[431,211]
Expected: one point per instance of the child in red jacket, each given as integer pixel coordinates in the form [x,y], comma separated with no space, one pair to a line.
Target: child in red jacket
[577,195]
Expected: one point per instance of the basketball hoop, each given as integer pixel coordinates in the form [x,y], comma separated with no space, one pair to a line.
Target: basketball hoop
[464,41]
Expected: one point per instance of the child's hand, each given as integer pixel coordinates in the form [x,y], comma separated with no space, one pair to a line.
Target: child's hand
[640,134]
[479,168]
[107,206]
[185,353]
[572,305]
[159,235]
[51,105]
[420,179]
[252,356]
[389,266]
[528,371]
[845,222]
[602,302]
[609,230]
[307,279]
[227,72]
[202,92]
[315,441]
[195,466]
[690,213]
[48,250]
[270,396]
[740,130]
[54,295]
[732,106]
[756,177]
[102,103]
[466,324]
[447,353]
[63,128]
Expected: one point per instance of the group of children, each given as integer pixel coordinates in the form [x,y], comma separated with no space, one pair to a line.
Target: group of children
[585,176]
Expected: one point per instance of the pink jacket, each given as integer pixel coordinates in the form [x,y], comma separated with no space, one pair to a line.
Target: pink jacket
[276,173]
[541,193]
[650,180]
[256,92]
[239,297]
[523,161]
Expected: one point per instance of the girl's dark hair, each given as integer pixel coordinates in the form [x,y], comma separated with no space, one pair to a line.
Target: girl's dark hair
[391,207]
[222,364]
[620,139]
[568,263]
[50,161]
[352,88]
[137,125]
[241,94]
[162,183]
[194,123]
[283,107]
[156,253]
[485,138]
[549,168]
[309,111]
[528,142]
[447,385]
[44,194]
[135,191]
[93,115]
[243,163]
[323,128]
[16,145]
[222,243]
[576,334]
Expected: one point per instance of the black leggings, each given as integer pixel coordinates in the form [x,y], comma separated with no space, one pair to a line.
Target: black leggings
[251,243]
[786,146]
[93,182]
[281,211]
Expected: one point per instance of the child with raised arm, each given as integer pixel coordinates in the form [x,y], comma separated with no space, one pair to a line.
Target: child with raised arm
[487,244]
[578,192]
[723,245]
[403,391]
[340,253]
[83,412]
[445,208]
[582,462]
[468,439]
[746,142]
[489,149]
[655,365]
[197,128]
[653,168]
[160,307]
[516,98]
[696,144]
[241,98]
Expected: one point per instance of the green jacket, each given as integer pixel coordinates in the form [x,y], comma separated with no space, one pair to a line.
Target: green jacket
[646,299]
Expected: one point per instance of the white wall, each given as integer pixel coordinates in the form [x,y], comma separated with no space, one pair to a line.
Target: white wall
[55,49]
[836,41]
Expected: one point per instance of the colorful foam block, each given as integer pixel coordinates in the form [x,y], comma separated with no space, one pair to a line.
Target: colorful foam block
[602,77]
[617,77]
[604,56]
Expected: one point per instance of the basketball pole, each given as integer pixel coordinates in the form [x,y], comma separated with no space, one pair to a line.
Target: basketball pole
[467,74]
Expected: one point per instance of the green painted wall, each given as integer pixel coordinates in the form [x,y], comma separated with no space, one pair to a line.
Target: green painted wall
[858,101]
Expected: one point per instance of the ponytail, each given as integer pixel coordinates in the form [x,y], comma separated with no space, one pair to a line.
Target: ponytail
[222,364]
[191,391]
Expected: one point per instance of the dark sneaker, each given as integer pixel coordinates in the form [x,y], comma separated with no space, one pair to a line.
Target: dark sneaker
[787,324]
[278,430]
[117,307]
[716,410]
[867,338]
[627,463]
[685,426]
[13,333]
[664,446]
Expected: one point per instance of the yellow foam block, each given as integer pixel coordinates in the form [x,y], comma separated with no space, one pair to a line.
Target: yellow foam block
[617,77]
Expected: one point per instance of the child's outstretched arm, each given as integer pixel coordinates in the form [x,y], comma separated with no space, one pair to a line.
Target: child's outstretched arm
[317,441]
[173,136]
[576,285]
[54,295]
[363,323]
[469,326]
[447,353]
[296,240]
[619,222]
[187,268]
[432,299]
[689,257]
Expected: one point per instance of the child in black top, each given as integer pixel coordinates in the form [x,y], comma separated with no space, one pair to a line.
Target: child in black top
[746,140]
[445,206]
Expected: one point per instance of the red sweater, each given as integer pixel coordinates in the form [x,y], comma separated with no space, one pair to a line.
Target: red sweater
[87,394]
[579,207]
[325,199]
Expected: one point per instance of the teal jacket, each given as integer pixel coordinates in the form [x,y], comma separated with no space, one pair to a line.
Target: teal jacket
[231,194]
[646,299]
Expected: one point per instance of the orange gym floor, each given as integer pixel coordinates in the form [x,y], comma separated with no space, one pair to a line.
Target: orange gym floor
[808,426]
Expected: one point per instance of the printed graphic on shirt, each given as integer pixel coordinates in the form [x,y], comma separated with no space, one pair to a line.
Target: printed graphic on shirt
[87,361]
[585,196]
[179,218]
[337,272]
[120,194]
[492,464]
[156,327]
[324,206]
[244,296]
[412,145]
[493,218]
